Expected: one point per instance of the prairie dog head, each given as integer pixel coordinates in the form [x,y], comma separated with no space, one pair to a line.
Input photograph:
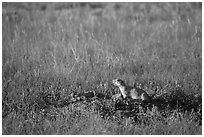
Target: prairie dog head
[118,82]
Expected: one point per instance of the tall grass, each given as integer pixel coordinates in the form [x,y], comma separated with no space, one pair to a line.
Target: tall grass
[52,48]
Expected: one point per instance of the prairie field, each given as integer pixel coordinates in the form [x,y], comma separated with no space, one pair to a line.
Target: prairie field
[51,50]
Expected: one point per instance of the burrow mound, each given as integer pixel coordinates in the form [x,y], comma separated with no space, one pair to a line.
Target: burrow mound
[106,106]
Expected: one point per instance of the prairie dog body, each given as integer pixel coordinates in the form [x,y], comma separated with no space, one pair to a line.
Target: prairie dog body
[131,92]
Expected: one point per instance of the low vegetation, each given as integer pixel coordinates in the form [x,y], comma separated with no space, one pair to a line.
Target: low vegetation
[51,50]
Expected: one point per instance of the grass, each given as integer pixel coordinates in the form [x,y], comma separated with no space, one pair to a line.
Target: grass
[60,48]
